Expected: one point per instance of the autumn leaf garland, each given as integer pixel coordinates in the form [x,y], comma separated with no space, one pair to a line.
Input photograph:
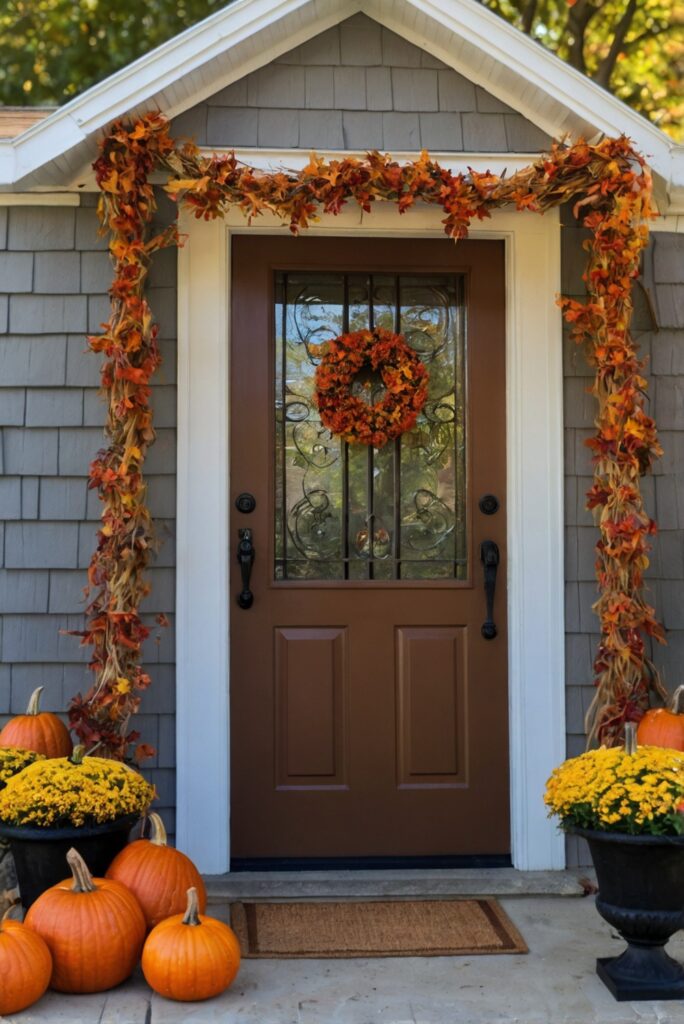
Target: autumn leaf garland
[611,188]
[116,583]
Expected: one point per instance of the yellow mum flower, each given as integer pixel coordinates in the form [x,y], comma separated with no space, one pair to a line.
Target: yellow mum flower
[14,760]
[609,789]
[59,792]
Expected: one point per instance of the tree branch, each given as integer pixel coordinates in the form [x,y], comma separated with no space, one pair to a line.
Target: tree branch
[528,16]
[651,33]
[579,17]
[605,68]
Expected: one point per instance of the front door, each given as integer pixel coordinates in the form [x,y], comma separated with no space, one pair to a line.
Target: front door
[368,710]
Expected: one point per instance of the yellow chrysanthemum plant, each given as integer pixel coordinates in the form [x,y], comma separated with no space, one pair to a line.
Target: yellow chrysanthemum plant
[637,791]
[13,760]
[76,790]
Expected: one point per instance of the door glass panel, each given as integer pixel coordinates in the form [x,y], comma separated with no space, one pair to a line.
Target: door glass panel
[349,512]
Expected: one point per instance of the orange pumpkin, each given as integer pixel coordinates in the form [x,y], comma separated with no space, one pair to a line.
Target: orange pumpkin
[157,875]
[37,730]
[188,957]
[25,966]
[93,927]
[663,727]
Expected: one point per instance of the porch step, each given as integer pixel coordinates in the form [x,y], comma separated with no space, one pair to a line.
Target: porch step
[397,884]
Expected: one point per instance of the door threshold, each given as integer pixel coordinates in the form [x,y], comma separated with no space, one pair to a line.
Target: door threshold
[398,883]
[484,860]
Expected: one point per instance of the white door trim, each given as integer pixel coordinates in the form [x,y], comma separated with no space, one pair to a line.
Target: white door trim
[535,521]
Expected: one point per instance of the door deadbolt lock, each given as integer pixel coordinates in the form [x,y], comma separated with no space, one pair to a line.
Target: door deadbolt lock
[489,504]
[245,502]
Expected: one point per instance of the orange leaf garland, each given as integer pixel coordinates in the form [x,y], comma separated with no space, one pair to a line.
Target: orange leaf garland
[114,630]
[610,187]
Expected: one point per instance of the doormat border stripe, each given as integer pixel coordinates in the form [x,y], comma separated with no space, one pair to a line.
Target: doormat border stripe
[244,917]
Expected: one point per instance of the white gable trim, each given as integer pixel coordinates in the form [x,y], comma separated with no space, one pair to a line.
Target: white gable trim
[535,519]
[250,33]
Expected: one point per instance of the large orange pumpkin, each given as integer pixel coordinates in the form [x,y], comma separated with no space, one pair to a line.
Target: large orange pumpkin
[93,927]
[37,730]
[157,875]
[663,727]
[188,957]
[25,966]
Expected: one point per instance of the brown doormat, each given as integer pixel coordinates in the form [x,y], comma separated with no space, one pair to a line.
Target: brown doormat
[397,928]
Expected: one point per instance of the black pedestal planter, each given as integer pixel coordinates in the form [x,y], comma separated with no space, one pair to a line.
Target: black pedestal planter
[40,853]
[641,894]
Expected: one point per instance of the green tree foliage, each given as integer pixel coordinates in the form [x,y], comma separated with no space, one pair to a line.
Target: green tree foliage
[50,50]
[634,48]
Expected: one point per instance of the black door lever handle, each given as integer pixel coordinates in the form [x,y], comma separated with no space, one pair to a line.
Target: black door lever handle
[245,557]
[489,556]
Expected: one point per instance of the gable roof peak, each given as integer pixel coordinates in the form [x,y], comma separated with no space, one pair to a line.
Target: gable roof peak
[247,34]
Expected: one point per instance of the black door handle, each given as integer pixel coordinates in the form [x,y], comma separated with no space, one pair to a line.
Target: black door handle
[245,556]
[489,556]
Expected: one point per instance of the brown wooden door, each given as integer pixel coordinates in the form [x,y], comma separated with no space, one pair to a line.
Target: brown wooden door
[368,712]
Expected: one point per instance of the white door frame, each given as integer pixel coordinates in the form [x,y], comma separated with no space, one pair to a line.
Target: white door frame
[536,672]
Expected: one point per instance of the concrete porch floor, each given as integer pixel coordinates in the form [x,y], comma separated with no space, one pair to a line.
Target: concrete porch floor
[554,984]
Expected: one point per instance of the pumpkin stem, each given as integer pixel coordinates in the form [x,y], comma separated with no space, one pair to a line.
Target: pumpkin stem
[676,700]
[192,913]
[34,702]
[83,880]
[158,836]
[7,916]
[77,754]
[630,738]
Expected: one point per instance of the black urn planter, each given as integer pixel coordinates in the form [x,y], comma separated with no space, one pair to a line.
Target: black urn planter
[40,853]
[641,894]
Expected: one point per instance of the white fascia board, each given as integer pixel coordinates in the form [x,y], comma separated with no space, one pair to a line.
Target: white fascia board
[8,161]
[676,189]
[43,142]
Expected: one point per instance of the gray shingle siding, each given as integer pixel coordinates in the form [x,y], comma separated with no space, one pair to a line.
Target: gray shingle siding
[54,276]
[320,95]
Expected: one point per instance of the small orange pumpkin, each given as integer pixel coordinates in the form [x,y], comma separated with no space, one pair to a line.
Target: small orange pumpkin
[93,927]
[157,875]
[25,966]
[37,730]
[188,957]
[663,727]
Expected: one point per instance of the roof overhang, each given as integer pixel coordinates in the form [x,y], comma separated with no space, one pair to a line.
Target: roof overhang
[56,153]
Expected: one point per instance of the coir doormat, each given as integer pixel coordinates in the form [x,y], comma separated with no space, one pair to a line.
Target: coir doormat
[396,928]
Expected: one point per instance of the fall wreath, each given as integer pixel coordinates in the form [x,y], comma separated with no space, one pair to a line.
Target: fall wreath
[369,358]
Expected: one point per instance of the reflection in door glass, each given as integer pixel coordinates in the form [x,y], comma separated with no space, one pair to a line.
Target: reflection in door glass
[349,512]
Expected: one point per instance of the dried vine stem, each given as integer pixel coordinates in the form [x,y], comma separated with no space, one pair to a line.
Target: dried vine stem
[612,189]
[116,581]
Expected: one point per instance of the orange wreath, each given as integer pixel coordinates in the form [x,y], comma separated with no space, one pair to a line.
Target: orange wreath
[403,376]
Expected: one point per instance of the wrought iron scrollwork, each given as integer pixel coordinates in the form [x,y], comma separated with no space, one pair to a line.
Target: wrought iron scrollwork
[430,524]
